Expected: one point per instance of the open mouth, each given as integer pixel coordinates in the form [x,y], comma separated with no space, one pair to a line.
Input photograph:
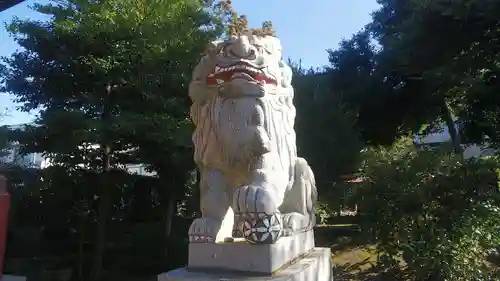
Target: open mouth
[238,71]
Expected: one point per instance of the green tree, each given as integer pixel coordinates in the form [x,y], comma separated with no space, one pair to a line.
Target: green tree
[437,213]
[357,80]
[4,131]
[4,142]
[326,135]
[434,63]
[108,73]
[444,56]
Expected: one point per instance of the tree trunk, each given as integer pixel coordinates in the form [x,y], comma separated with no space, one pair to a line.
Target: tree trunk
[452,129]
[104,200]
[102,217]
[169,216]
[81,239]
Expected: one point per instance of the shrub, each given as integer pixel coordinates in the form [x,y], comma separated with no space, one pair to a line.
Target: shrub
[437,213]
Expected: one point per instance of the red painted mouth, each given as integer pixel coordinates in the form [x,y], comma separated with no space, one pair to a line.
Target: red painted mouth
[238,71]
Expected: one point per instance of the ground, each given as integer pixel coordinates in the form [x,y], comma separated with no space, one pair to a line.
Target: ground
[353,259]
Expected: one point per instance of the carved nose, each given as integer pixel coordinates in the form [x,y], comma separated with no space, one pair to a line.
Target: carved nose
[242,48]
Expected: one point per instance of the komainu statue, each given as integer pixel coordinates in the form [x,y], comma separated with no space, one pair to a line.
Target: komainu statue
[253,185]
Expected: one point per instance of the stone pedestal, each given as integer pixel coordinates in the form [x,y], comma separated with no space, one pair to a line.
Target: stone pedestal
[314,266]
[12,278]
[290,259]
[244,257]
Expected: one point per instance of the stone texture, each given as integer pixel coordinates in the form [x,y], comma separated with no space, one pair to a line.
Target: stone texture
[315,266]
[13,278]
[242,256]
[254,189]
[252,182]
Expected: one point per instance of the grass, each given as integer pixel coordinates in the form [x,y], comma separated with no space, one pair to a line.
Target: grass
[356,260]
[363,257]
[353,258]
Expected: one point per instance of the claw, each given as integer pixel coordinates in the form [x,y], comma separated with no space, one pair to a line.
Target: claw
[201,231]
[200,239]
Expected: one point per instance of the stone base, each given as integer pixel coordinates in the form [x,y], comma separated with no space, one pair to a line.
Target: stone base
[12,278]
[244,257]
[315,266]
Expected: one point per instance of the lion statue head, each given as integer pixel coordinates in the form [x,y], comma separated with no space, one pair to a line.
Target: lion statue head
[242,102]
[242,65]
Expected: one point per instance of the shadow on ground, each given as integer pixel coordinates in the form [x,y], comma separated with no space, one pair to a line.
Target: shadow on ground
[353,258]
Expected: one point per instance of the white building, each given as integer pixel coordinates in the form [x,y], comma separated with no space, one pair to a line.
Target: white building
[13,156]
[470,151]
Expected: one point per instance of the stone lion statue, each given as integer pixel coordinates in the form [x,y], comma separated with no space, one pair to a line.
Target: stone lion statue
[252,183]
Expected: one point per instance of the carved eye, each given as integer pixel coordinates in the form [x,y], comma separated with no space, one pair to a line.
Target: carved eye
[223,50]
[268,48]
[268,51]
[262,49]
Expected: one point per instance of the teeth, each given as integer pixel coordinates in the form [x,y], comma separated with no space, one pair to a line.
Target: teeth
[219,69]
[220,81]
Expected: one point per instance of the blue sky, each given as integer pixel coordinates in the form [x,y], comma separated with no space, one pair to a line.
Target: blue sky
[306,30]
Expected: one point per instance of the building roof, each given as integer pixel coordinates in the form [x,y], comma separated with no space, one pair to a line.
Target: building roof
[5,4]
